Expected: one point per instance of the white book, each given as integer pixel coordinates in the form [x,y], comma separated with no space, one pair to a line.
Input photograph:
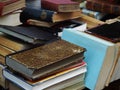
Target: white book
[44,83]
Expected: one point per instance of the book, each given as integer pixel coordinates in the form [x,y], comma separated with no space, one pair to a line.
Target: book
[67,83]
[91,22]
[8,6]
[13,43]
[46,15]
[57,78]
[103,6]
[3,81]
[109,32]
[60,5]
[7,19]
[94,14]
[77,86]
[100,55]
[46,58]
[31,34]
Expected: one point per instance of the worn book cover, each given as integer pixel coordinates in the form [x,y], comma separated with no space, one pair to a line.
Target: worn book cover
[109,32]
[46,15]
[44,59]
[31,34]
[103,6]
[60,5]
[8,6]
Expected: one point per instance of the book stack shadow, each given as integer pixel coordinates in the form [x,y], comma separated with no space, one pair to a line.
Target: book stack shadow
[34,57]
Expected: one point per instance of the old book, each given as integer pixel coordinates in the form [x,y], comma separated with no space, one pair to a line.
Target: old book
[109,32]
[91,22]
[46,58]
[103,6]
[67,83]
[8,6]
[100,55]
[31,34]
[3,82]
[46,15]
[60,5]
[46,82]
[13,43]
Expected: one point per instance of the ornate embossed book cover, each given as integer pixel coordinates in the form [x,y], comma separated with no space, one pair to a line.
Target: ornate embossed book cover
[44,59]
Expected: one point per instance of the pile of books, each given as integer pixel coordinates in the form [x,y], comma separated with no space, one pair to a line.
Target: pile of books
[103,52]
[54,66]
[46,62]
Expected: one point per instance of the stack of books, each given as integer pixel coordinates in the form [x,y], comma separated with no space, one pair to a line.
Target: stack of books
[54,66]
[8,6]
[52,14]
[103,53]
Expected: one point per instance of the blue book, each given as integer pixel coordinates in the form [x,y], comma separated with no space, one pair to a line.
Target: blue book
[99,56]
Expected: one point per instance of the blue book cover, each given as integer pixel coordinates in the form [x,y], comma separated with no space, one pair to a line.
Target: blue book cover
[95,56]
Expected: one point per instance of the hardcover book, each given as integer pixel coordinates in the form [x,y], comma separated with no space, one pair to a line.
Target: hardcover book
[46,15]
[103,6]
[31,34]
[8,6]
[46,82]
[100,55]
[46,58]
[109,32]
[60,5]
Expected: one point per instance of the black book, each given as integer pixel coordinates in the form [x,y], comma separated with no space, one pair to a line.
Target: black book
[30,34]
[110,32]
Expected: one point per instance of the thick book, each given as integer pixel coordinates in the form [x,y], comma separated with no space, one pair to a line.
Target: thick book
[14,43]
[3,82]
[103,6]
[46,58]
[67,83]
[8,6]
[60,5]
[109,32]
[100,55]
[41,85]
[31,34]
[46,15]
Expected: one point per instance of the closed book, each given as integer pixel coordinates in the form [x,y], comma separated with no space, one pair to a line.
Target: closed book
[67,83]
[31,34]
[46,15]
[103,6]
[109,32]
[8,6]
[60,5]
[46,58]
[100,55]
[46,82]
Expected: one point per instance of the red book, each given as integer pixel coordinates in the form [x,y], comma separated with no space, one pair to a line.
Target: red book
[60,5]
[8,6]
[103,6]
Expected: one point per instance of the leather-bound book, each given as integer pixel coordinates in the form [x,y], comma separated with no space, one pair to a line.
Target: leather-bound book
[103,6]
[33,35]
[8,6]
[109,32]
[42,60]
[46,15]
[60,5]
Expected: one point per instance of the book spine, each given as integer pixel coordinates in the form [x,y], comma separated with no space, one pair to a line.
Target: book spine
[1,8]
[29,13]
[49,5]
[101,6]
